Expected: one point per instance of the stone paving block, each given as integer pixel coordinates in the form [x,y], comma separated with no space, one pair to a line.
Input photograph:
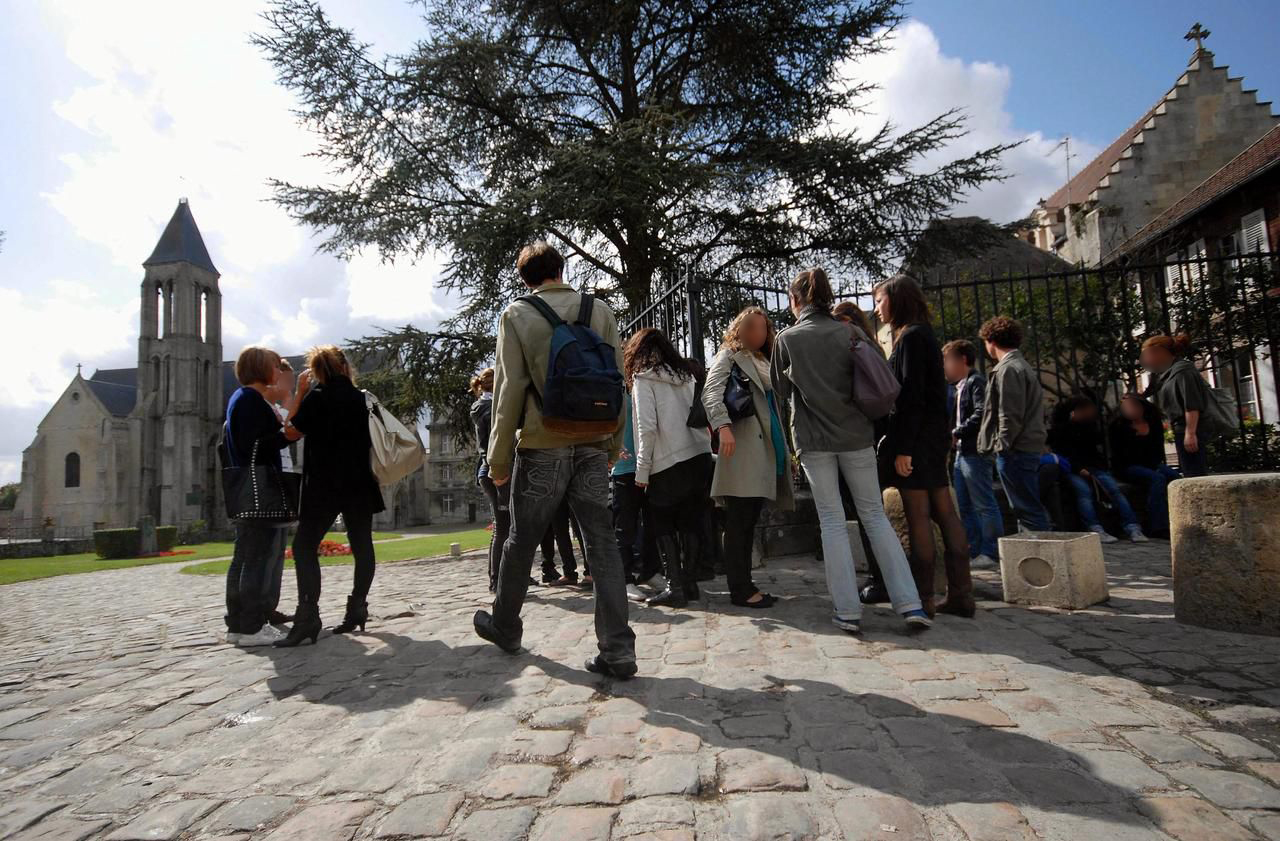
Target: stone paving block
[564,717]
[768,818]
[1267,825]
[654,814]
[1119,768]
[971,714]
[577,823]
[122,797]
[538,744]
[664,775]
[165,822]
[62,829]
[767,726]
[423,816]
[604,748]
[497,824]
[326,822]
[991,821]
[373,775]
[743,769]
[1191,819]
[1229,789]
[518,781]
[1169,747]
[1057,786]
[20,813]
[1231,745]
[881,819]
[593,785]
[249,814]
[1269,771]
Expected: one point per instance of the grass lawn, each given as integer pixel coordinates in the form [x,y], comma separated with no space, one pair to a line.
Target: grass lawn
[401,550]
[13,570]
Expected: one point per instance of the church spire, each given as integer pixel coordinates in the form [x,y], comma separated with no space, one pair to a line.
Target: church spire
[181,242]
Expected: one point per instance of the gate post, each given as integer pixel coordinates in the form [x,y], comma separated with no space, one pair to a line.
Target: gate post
[691,290]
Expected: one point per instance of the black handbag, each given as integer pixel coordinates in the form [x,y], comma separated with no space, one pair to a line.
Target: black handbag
[698,411]
[258,493]
[737,395]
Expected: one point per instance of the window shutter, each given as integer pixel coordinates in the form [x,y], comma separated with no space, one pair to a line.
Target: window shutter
[1195,265]
[1253,229]
[1173,287]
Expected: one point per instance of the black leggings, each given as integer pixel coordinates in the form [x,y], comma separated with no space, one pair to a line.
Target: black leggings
[923,509]
[312,528]
[500,507]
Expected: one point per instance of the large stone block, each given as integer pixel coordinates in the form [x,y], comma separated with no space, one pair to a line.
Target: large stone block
[1226,551]
[1058,569]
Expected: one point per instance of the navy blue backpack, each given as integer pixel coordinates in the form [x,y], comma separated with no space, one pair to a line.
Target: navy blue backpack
[583,393]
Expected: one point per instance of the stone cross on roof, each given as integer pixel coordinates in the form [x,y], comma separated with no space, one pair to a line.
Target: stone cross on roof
[1197,33]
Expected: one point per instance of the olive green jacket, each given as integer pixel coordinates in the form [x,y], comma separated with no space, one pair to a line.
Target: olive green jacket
[524,345]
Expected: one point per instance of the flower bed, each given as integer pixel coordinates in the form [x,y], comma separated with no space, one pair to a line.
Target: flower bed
[328,549]
[169,553]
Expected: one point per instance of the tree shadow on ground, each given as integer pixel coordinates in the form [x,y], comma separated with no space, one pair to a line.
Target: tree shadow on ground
[859,741]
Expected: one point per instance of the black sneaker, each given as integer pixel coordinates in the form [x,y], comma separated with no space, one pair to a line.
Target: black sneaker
[599,666]
[486,630]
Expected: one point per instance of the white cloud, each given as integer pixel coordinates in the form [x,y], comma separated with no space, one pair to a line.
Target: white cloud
[918,82]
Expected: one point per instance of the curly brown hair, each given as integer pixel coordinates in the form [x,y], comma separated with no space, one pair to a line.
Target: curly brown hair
[733,333]
[648,349]
[1002,331]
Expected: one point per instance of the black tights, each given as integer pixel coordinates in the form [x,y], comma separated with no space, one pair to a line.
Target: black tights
[924,508]
[312,528]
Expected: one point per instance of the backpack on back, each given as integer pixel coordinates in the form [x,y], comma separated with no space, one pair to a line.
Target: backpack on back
[875,388]
[583,393]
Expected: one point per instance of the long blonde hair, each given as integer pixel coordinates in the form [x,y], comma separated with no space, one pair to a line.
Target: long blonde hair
[733,333]
[327,362]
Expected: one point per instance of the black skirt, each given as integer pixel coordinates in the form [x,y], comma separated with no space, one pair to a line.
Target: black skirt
[679,482]
[928,471]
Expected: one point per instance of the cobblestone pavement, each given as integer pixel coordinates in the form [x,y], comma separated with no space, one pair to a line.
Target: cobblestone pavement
[123,717]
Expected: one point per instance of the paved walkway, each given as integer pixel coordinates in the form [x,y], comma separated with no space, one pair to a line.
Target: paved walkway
[121,717]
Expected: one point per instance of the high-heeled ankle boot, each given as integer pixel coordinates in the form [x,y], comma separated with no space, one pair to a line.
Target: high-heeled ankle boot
[692,560]
[673,596]
[357,616]
[306,625]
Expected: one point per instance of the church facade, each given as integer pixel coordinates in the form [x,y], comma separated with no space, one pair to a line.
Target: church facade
[130,442]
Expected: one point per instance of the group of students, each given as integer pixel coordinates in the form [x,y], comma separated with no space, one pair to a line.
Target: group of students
[328,414]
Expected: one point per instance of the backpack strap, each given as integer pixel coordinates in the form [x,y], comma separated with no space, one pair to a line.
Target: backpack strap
[584,310]
[543,307]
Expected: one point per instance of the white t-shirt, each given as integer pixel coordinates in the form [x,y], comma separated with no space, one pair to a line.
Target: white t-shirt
[286,455]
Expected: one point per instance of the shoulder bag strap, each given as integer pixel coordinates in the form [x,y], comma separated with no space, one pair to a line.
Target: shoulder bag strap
[584,310]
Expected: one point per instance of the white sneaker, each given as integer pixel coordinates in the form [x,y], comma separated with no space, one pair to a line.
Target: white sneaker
[634,593]
[1102,533]
[233,638]
[657,583]
[850,626]
[266,635]
[1135,533]
[984,562]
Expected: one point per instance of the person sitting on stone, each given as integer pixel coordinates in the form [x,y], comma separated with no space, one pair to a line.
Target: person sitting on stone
[1076,436]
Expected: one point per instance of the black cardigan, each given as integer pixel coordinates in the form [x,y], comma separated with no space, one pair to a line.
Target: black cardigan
[336,474]
[251,418]
[1128,449]
[918,425]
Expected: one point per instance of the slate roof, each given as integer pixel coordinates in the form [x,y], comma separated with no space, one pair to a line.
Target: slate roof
[181,242]
[1249,164]
[969,247]
[117,388]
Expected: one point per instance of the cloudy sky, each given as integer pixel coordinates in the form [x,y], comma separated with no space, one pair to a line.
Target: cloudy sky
[112,111]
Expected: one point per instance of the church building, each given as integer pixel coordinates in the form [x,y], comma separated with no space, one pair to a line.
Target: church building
[129,442]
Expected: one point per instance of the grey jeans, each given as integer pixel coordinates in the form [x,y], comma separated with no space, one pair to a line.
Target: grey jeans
[539,481]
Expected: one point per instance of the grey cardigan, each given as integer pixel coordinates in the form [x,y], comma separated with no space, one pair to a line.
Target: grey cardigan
[1013,417]
[752,470]
[812,369]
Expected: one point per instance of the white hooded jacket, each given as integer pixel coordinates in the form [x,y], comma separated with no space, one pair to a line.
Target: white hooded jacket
[663,436]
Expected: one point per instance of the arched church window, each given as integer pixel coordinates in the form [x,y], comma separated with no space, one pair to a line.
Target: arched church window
[72,472]
[202,314]
[159,313]
[168,309]
[155,373]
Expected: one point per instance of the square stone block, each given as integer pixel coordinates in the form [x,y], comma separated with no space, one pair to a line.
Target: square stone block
[1057,569]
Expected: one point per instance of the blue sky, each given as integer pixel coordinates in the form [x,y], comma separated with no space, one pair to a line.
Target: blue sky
[112,111]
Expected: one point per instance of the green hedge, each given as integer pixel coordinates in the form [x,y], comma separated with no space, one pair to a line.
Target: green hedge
[112,544]
[166,538]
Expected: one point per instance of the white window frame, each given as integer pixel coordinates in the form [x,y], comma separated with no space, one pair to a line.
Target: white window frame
[446,505]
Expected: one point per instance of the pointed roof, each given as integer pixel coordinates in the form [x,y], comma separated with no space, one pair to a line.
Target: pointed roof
[181,242]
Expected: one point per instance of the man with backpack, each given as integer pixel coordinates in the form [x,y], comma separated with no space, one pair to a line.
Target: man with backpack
[557,426]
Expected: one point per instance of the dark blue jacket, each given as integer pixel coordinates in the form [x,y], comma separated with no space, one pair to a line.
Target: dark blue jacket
[972,399]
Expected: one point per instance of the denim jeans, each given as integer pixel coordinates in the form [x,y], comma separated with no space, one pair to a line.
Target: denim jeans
[499,497]
[858,467]
[273,576]
[1157,481]
[1020,475]
[976,499]
[541,480]
[249,561]
[1191,464]
[1084,498]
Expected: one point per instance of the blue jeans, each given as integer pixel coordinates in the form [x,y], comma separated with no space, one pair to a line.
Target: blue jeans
[253,553]
[273,576]
[976,499]
[1084,498]
[1157,482]
[540,481]
[859,470]
[1020,475]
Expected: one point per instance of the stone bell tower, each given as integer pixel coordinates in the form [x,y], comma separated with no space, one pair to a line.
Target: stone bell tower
[179,407]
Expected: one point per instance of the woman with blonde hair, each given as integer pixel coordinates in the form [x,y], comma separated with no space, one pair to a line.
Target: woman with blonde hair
[832,436]
[754,465]
[336,479]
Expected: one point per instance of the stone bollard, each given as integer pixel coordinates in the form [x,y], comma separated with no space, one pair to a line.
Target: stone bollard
[455,550]
[1225,541]
[147,534]
[1056,569]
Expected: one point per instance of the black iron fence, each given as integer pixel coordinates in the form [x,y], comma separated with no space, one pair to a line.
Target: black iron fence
[1084,328]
